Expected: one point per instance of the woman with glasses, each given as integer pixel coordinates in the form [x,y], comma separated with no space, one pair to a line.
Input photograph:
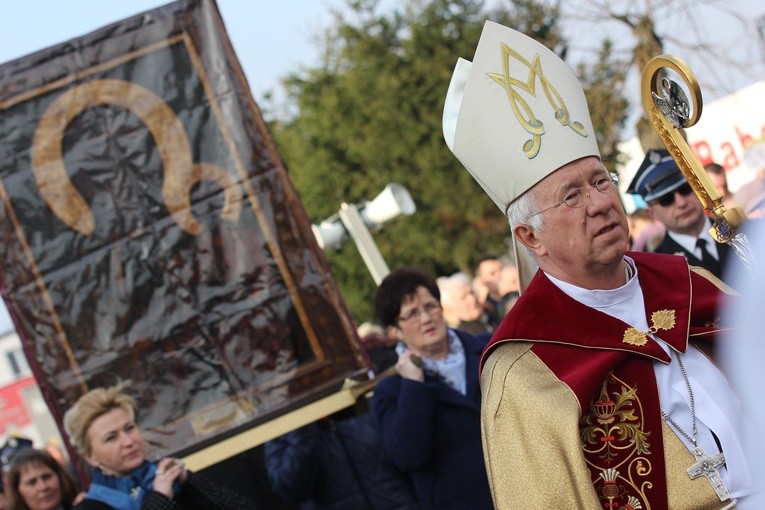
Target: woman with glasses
[429,412]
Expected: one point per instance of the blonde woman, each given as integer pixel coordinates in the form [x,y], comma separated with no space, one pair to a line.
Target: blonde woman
[102,427]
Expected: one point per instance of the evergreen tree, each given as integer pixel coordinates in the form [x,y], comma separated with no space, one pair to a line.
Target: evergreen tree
[371,114]
[603,82]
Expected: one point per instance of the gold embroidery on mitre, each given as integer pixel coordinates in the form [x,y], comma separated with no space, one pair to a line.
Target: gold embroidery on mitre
[522,109]
[661,320]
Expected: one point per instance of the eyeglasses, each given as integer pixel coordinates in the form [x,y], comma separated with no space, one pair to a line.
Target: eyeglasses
[416,313]
[577,197]
[669,198]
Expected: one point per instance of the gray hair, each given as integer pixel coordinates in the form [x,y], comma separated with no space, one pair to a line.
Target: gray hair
[461,277]
[521,210]
[447,285]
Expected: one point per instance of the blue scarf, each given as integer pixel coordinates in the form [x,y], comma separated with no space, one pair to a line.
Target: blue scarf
[124,492]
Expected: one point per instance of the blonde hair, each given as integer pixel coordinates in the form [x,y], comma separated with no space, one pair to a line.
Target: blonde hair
[92,405]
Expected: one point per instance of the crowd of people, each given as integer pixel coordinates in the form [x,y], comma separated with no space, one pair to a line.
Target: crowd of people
[101,426]
[577,374]
[389,453]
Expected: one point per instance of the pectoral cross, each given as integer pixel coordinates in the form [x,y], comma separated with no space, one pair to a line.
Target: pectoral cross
[708,466]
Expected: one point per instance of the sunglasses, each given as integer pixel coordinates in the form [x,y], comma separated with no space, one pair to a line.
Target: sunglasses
[669,198]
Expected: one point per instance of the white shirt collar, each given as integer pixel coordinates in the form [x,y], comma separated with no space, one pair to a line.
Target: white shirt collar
[689,242]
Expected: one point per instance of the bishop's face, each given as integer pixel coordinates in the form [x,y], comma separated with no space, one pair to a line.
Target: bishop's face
[582,245]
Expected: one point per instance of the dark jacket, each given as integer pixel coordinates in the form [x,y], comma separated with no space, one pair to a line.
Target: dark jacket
[434,433]
[197,493]
[477,327]
[337,465]
[668,245]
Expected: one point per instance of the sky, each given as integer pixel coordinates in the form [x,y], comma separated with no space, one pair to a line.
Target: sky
[270,37]
[274,37]
[734,59]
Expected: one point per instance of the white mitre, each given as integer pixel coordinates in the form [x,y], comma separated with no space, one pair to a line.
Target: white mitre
[513,116]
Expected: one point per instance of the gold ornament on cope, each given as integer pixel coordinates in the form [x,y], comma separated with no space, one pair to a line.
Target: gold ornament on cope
[667,109]
[610,489]
[661,320]
[605,407]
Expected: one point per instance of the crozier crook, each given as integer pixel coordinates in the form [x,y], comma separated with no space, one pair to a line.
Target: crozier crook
[667,109]
[180,173]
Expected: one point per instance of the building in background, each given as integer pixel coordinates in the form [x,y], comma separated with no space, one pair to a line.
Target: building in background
[22,409]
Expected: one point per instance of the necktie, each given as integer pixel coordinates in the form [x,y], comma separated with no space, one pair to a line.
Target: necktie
[706,258]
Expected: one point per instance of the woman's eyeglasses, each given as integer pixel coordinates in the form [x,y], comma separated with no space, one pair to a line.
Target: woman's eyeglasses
[416,313]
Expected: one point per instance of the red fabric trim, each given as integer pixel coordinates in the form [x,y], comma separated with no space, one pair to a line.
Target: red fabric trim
[545,314]
[583,348]
[581,370]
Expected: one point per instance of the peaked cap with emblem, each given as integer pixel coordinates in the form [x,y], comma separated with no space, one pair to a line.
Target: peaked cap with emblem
[514,115]
[657,176]
[12,445]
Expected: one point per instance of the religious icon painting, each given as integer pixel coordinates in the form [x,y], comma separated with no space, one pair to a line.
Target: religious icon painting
[150,233]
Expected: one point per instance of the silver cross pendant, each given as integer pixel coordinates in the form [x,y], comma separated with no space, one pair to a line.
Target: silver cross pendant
[708,466]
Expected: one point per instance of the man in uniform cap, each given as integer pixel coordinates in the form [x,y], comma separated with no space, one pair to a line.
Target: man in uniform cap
[593,396]
[671,201]
[11,446]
